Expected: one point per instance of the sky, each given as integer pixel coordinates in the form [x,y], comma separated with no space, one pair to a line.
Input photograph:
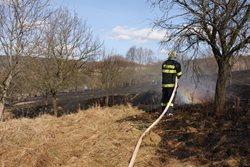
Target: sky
[120,24]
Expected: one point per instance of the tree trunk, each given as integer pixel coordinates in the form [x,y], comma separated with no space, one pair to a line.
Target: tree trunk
[2,110]
[2,104]
[113,100]
[107,100]
[6,85]
[54,103]
[224,70]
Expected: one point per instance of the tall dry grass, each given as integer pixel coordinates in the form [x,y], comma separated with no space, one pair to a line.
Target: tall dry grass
[93,138]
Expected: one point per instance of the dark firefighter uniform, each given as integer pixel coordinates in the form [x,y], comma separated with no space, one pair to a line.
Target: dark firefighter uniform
[170,70]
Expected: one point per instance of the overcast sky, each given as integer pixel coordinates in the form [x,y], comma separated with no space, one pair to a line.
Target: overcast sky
[119,23]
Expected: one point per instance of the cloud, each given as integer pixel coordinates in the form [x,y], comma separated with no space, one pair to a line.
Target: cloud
[139,35]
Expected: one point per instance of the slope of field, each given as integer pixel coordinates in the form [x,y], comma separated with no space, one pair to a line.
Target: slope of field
[95,137]
[106,137]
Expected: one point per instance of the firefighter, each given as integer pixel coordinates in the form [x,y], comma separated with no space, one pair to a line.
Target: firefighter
[171,69]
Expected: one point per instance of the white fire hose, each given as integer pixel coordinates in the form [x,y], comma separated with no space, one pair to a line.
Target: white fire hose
[132,160]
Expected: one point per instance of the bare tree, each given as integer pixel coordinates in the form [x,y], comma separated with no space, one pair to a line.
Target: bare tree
[18,21]
[222,25]
[110,72]
[131,54]
[68,44]
[140,55]
[145,55]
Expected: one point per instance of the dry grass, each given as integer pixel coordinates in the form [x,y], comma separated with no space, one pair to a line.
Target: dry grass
[91,138]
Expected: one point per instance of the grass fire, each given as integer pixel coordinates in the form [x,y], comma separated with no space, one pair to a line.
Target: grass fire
[153,83]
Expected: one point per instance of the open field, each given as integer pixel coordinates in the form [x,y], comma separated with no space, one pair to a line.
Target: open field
[107,136]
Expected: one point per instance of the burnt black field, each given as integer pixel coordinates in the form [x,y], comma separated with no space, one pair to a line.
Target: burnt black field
[145,96]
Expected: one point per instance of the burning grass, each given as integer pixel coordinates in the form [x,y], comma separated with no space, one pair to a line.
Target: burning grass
[95,137]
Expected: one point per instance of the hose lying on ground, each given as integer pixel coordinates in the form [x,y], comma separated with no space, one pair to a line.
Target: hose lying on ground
[132,160]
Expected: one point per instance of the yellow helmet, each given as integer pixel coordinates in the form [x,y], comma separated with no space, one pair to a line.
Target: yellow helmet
[172,54]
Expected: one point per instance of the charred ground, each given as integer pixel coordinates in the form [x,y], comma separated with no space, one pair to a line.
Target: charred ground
[192,135]
[145,96]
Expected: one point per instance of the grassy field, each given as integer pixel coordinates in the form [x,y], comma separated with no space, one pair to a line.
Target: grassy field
[107,137]
[96,137]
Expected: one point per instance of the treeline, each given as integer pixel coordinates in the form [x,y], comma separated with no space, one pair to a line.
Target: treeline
[42,76]
[39,79]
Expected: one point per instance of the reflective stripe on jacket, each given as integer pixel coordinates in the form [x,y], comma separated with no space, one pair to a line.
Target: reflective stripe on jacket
[170,69]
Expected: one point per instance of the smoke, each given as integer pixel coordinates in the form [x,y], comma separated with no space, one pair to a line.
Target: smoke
[196,91]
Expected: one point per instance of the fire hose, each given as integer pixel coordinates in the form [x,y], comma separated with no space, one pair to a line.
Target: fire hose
[132,160]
